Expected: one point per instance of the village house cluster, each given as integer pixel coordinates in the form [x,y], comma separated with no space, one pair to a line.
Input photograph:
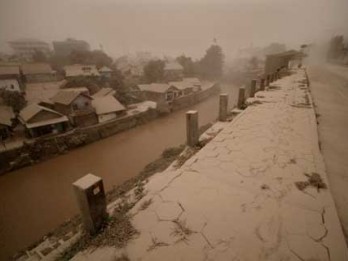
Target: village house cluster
[53,107]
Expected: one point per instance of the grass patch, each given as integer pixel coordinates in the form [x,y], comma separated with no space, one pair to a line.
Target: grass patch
[118,230]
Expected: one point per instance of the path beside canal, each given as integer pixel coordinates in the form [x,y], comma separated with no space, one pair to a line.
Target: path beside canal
[257,191]
[37,199]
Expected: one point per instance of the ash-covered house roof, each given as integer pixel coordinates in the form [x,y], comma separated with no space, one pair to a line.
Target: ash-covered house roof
[36,68]
[182,85]
[29,112]
[104,92]
[154,87]
[80,70]
[173,66]
[6,115]
[193,80]
[9,70]
[83,90]
[107,104]
[67,97]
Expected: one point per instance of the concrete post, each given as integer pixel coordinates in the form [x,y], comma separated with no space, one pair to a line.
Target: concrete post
[192,132]
[262,84]
[252,88]
[241,97]
[223,107]
[89,191]
[268,79]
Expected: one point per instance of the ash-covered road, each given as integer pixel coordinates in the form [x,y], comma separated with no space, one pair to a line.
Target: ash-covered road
[329,85]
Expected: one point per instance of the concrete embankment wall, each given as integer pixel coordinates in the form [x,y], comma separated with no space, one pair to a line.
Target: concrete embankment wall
[192,99]
[48,147]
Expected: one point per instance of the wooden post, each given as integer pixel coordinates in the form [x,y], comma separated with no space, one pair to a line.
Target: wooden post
[90,195]
[252,88]
[262,84]
[241,97]
[192,132]
[223,106]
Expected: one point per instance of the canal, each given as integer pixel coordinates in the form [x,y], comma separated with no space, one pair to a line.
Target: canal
[36,199]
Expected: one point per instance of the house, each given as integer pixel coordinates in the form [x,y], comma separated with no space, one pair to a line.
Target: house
[25,48]
[6,118]
[10,85]
[105,72]
[108,108]
[104,92]
[9,72]
[39,121]
[159,92]
[10,78]
[80,70]
[173,71]
[38,72]
[185,88]
[65,48]
[197,85]
[76,105]
[83,90]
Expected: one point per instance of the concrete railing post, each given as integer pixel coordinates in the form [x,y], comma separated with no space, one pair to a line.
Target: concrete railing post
[223,107]
[268,79]
[192,132]
[262,84]
[241,97]
[89,191]
[252,88]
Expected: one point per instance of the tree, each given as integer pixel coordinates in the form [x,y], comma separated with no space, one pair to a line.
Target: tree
[254,62]
[211,65]
[188,64]
[274,48]
[96,57]
[13,99]
[154,71]
[336,47]
[39,57]
[91,84]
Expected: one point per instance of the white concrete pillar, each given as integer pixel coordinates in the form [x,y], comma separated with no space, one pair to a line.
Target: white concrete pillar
[90,195]
[192,131]
[262,84]
[223,107]
[241,97]
[252,88]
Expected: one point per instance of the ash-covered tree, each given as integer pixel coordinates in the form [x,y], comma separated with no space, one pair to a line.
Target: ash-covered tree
[15,100]
[154,71]
[96,57]
[274,48]
[211,65]
[254,62]
[39,57]
[187,64]
[336,47]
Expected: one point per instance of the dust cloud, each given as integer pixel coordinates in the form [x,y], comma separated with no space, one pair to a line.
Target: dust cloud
[171,27]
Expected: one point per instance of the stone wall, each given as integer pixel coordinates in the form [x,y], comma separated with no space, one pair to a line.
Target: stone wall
[48,147]
[194,98]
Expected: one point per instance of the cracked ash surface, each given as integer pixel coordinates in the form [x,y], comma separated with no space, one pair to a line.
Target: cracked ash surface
[236,199]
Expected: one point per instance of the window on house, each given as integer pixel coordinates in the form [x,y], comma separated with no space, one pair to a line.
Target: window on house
[75,107]
[86,104]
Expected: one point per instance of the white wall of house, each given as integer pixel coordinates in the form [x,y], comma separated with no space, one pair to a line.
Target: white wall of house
[81,102]
[106,117]
[9,85]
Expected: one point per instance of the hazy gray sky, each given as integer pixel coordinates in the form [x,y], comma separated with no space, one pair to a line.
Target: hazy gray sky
[173,27]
